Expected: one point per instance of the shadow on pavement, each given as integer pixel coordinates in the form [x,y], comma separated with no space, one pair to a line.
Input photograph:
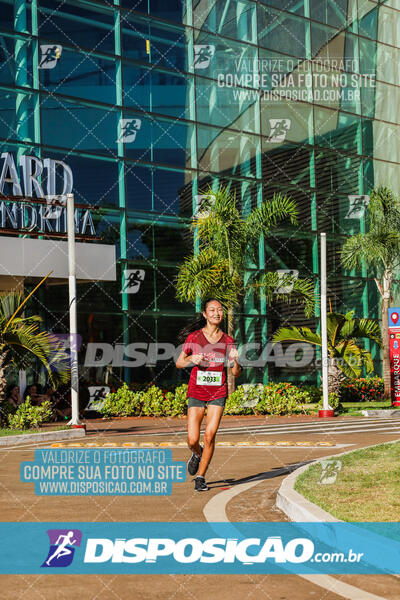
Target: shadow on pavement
[276,472]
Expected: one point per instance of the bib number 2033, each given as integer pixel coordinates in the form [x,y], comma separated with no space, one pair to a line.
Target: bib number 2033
[209,377]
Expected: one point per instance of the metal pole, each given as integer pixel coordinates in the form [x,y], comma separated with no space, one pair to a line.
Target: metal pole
[72,312]
[324,332]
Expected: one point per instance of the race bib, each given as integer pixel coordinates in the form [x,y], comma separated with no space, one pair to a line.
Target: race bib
[209,378]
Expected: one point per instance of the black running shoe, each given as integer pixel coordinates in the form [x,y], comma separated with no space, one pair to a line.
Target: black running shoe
[200,484]
[193,463]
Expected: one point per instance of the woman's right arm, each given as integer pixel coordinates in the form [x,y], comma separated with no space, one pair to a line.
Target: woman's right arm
[184,360]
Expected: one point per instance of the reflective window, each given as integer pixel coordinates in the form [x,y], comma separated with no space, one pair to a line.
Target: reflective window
[337,172]
[86,27]
[157,43]
[368,19]
[156,91]
[226,106]
[142,300]
[171,244]
[15,61]
[165,287]
[7,14]
[232,19]
[388,26]
[218,57]
[173,10]
[386,97]
[368,56]
[285,121]
[337,130]
[139,243]
[138,184]
[162,141]
[282,32]
[296,6]
[387,64]
[16,115]
[78,127]
[287,164]
[327,42]
[170,190]
[81,75]
[226,152]
[95,180]
[332,12]
[385,141]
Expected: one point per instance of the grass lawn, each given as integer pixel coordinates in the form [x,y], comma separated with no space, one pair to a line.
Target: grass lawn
[367,487]
[355,408]
[23,431]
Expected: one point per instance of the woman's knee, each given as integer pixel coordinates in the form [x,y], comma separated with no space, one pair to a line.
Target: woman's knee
[209,437]
[192,440]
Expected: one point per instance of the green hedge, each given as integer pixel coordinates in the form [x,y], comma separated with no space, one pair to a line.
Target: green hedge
[259,399]
[271,399]
[30,417]
[153,402]
[362,389]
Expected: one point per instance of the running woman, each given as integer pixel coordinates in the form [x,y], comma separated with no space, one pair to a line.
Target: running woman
[207,349]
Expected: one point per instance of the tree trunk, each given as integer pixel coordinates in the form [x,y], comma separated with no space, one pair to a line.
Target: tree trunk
[231,333]
[335,377]
[386,292]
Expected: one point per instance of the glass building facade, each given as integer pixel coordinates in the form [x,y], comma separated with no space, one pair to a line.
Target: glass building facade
[150,102]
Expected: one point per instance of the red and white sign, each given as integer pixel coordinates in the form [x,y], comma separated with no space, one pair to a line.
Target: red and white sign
[394,346]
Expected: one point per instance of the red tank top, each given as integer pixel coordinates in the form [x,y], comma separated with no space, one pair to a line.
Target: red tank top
[208,380]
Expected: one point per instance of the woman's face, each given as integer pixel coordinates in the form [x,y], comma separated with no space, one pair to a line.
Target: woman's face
[33,389]
[15,391]
[214,312]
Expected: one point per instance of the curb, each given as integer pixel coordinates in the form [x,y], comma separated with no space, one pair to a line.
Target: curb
[298,508]
[46,436]
[381,414]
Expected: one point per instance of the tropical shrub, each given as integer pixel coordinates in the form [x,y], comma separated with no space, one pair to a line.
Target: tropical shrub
[235,403]
[151,402]
[28,417]
[347,356]
[363,389]
[273,398]
[179,401]
[313,391]
[163,403]
[281,399]
[155,402]
[334,401]
[122,403]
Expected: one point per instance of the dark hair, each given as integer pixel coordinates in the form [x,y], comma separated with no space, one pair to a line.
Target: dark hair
[198,323]
[10,388]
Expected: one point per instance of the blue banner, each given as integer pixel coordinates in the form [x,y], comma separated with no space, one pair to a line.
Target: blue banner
[207,548]
[103,472]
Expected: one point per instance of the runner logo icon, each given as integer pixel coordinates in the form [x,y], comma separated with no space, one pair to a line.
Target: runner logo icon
[50,53]
[62,547]
[279,129]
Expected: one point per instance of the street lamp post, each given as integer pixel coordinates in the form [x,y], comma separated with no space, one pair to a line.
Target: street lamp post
[73,330]
[326,411]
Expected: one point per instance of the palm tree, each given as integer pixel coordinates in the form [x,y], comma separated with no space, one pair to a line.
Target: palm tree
[21,340]
[227,243]
[346,357]
[379,249]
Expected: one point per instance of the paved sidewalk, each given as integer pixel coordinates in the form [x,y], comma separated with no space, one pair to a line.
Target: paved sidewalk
[230,466]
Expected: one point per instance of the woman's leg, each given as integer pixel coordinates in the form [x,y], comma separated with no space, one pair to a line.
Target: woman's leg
[194,419]
[214,414]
